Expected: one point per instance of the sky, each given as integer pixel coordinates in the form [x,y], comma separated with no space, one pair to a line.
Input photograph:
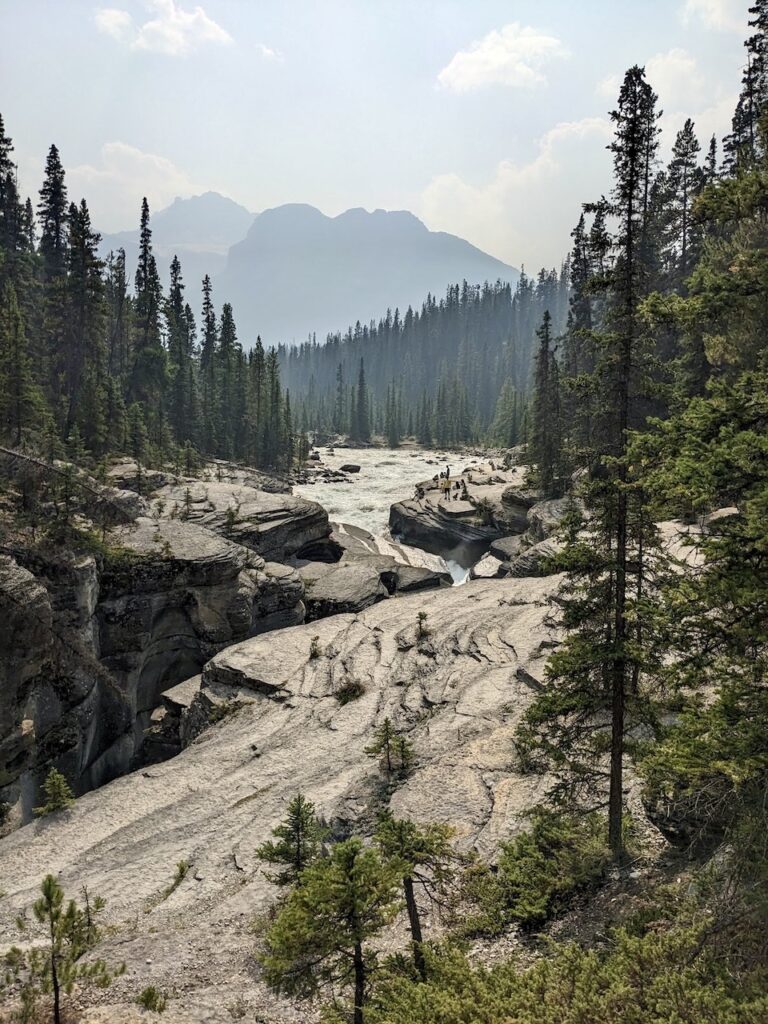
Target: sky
[485,118]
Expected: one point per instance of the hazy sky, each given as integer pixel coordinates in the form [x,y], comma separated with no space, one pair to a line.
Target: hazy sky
[485,118]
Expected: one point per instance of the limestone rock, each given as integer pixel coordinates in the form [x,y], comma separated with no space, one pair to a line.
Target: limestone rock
[506,548]
[533,561]
[274,525]
[215,802]
[487,568]
[517,501]
[343,588]
[545,517]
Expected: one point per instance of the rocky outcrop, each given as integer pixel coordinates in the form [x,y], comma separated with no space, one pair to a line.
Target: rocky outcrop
[57,704]
[545,517]
[331,589]
[534,561]
[480,511]
[507,547]
[92,646]
[458,695]
[517,502]
[451,529]
[177,594]
[276,526]
[375,568]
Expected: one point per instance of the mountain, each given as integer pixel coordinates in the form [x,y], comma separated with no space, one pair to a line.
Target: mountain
[298,271]
[200,230]
[291,270]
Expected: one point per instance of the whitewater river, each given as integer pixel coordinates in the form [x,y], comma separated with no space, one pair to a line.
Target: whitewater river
[385,476]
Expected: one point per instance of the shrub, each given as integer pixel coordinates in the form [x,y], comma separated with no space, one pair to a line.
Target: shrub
[645,980]
[538,872]
[182,869]
[422,629]
[349,691]
[314,647]
[59,796]
[152,998]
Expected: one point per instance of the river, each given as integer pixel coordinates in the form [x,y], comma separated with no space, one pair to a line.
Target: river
[386,475]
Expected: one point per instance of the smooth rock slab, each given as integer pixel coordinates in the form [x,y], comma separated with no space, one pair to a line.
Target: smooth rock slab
[214,803]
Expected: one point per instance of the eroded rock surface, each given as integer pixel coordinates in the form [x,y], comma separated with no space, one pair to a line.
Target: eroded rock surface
[276,526]
[458,694]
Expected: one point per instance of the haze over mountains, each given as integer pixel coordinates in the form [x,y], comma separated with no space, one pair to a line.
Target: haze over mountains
[291,271]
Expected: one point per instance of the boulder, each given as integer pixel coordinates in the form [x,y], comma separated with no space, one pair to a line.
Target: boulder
[516,502]
[487,568]
[349,467]
[545,517]
[506,548]
[533,561]
[274,525]
[343,588]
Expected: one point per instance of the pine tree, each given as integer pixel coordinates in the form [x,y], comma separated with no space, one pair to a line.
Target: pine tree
[299,842]
[594,697]
[320,935]
[58,794]
[21,402]
[545,440]
[362,411]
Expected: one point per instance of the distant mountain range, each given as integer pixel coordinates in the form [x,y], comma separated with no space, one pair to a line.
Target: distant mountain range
[292,271]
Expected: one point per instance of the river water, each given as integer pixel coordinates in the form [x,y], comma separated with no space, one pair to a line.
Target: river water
[386,476]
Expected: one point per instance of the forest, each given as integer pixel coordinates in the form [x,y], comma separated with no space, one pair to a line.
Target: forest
[93,364]
[456,371]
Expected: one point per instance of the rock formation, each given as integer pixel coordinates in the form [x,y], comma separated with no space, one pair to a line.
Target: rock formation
[458,693]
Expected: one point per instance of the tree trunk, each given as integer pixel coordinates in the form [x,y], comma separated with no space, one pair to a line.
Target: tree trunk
[415,923]
[359,983]
[56,992]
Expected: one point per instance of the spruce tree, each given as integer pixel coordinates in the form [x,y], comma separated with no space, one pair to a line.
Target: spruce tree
[298,842]
[321,933]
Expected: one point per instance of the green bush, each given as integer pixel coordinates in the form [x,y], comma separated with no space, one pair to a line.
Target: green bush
[349,691]
[152,998]
[59,796]
[658,978]
[537,873]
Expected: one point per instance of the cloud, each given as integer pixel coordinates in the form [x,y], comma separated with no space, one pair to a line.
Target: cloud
[172,31]
[526,211]
[268,53]
[111,22]
[512,56]
[674,75]
[115,185]
[721,15]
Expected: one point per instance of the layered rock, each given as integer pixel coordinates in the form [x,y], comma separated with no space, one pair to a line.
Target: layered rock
[276,526]
[463,525]
[92,647]
[457,694]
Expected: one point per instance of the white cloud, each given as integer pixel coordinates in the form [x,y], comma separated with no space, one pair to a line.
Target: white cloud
[114,187]
[268,53]
[512,56]
[111,22]
[526,211]
[721,15]
[674,75]
[172,31]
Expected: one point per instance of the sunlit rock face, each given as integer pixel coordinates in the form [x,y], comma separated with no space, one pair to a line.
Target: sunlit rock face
[456,692]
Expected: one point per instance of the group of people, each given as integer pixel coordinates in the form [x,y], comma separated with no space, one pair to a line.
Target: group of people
[457,488]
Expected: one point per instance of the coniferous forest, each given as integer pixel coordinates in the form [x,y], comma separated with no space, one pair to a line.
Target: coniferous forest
[93,363]
[630,391]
